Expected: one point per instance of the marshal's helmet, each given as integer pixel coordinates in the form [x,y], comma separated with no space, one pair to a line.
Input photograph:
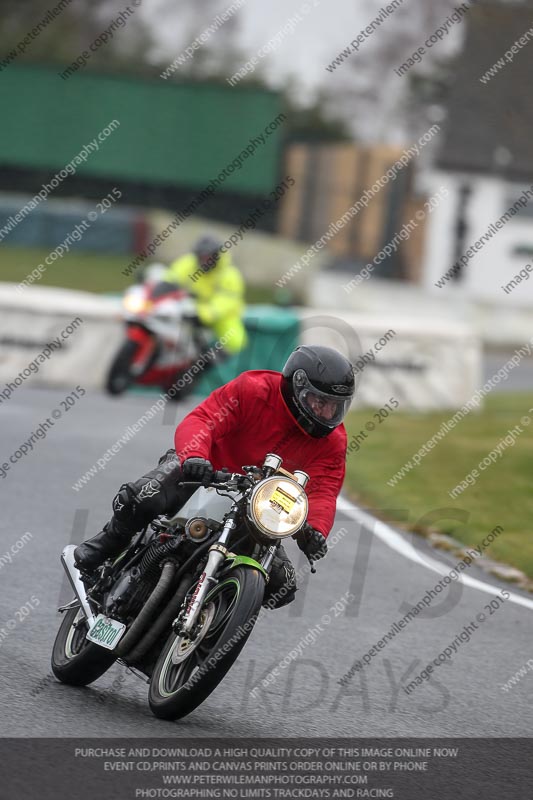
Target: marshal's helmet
[318,386]
[207,251]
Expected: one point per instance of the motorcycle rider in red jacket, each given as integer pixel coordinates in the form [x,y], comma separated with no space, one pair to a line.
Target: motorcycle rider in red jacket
[297,414]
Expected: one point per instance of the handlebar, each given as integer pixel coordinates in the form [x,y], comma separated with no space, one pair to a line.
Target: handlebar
[223,476]
[220,476]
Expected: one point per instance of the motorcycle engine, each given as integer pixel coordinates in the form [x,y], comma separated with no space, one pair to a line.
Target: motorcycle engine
[131,591]
[128,595]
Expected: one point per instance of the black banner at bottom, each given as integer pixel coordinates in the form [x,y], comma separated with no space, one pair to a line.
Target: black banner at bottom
[149,769]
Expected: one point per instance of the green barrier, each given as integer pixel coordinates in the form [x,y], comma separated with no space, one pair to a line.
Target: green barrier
[273,333]
[190,151]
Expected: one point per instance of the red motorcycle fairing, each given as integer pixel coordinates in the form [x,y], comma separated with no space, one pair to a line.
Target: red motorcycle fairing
[148,356]
[163,376]
[143,338]
[158,376]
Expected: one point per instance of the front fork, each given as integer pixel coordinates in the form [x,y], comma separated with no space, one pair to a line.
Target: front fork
[267,559]
[217,556]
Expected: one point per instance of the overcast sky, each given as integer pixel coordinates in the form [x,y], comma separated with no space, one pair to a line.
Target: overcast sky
[324,31]
[316,40]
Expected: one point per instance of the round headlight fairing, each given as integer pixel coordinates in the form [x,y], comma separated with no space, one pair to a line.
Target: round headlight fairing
[277,507]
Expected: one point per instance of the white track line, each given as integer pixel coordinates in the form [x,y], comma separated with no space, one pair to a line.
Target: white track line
[396,542]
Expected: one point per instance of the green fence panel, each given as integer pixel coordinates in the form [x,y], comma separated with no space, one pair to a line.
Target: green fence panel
[168,133]
[273,333]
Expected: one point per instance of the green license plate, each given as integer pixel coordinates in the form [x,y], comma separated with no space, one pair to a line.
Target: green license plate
[106,632]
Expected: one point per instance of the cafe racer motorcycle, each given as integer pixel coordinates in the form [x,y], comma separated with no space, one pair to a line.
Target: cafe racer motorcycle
[180,603]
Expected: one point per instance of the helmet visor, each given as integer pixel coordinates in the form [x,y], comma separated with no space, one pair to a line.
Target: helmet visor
[326,409]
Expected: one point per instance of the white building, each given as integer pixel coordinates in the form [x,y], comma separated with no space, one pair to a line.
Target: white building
[486,163]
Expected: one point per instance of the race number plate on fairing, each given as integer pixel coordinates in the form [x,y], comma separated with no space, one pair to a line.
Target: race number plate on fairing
[106,632]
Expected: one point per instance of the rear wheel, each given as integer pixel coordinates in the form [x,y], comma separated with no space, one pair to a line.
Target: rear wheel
[188,670]
[75,660]
[180,392]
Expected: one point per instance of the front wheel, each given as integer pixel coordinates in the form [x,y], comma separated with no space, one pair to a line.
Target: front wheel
[75,660]
[188,670]
[120,374]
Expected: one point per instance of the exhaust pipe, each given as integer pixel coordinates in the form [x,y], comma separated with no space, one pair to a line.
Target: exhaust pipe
[67,559]
[146,615]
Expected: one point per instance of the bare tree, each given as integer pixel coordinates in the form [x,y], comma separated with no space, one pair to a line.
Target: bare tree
[72,31]
[218,56]
[378,103]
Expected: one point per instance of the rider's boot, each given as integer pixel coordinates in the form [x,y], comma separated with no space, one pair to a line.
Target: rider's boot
[109,543]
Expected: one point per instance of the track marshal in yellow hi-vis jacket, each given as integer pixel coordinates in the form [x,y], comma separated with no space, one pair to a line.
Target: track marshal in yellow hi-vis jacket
[217,286]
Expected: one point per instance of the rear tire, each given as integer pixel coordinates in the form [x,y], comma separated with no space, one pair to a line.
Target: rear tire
[75,660]
[119,377]
[181,393]
[177,689]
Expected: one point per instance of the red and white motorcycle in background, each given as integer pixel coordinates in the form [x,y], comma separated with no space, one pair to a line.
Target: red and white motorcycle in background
[162,338]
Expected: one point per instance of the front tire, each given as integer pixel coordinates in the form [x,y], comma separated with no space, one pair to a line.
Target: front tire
[120,377]
[75,660]
[230,611]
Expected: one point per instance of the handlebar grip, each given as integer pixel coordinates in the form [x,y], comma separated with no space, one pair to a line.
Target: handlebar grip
[220,476]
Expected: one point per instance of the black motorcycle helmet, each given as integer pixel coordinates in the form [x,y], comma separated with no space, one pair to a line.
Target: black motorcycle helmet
[318,386]
[207,251]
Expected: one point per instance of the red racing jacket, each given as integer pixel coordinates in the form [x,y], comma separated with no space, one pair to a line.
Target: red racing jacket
[241,422]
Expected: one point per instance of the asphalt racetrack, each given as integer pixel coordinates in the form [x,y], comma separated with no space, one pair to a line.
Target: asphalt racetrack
[463,697]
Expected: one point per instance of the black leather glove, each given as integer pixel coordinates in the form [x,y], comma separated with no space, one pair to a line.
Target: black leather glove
[311,542]
[197,469]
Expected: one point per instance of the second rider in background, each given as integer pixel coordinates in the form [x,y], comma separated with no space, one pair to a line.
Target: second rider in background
[217,287]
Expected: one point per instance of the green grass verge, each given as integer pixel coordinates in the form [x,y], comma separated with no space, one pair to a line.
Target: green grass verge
[91,272]
[501,496]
